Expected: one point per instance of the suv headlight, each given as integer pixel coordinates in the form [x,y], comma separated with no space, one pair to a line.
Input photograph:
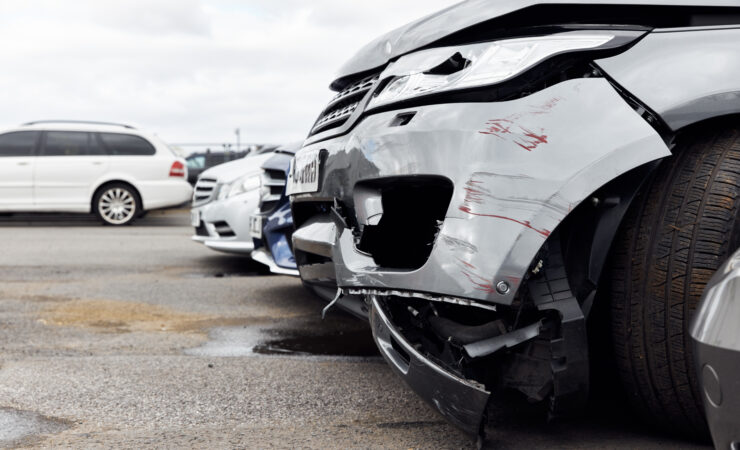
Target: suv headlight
[241,185]
[477,65]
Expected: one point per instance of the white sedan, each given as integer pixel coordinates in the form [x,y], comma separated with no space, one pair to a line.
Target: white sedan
[224,199]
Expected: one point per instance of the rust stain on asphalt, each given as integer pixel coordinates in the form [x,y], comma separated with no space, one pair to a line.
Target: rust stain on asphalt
[121,317]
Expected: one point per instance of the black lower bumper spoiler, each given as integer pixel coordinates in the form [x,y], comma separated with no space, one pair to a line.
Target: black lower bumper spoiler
[460,401]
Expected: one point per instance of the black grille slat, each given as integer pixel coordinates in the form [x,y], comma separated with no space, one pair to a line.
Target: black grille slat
[204,191]
[275,180]
[223,229]
[201,230]
[344,104]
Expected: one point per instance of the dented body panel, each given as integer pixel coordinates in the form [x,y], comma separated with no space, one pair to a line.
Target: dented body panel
[518,168]
[685,76]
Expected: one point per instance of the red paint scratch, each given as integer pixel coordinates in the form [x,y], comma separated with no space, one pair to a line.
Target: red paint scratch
[525,223]
[485,287]
[473,195]
[466,263]
[524,138]
[547,106]
[531,140]
[474,192]
[497,127]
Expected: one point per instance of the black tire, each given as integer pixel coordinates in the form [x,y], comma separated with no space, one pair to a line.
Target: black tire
[116,204]
[676,235]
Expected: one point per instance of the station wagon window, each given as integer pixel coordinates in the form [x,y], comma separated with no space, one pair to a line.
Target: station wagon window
[18,143]
[126,144]
[66,143]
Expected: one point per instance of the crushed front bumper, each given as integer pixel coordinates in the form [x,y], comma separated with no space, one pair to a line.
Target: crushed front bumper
[494,180]
[460,401]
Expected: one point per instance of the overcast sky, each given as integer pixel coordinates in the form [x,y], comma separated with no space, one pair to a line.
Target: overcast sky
[188,70]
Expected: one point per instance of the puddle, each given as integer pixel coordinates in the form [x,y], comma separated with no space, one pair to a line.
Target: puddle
[245,341]
[225,342]
[243,273]
[17,426]
[226,266]
[343,343]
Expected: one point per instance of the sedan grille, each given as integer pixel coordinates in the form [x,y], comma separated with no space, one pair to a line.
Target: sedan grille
[273,183]
[344,104]
[204,191]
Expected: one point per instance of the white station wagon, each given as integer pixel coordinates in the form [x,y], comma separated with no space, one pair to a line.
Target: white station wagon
[112,170]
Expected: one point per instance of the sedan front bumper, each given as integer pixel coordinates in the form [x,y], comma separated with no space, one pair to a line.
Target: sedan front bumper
[224,224]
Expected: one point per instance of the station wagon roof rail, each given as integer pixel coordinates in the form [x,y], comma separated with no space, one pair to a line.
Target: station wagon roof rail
[89,122]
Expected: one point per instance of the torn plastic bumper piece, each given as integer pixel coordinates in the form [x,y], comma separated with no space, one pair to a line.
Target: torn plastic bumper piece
[262,256]
[460,401]
[492,345]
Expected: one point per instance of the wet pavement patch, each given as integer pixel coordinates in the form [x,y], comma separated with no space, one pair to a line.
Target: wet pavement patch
[19,427]
[228,342]
[343,343]
[412,424]
[241,273]
[245,341]
[226,266]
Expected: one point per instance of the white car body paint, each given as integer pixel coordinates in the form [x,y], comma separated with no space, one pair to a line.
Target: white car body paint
[37,183]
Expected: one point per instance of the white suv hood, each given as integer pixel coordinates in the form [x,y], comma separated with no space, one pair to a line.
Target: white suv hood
[427,30]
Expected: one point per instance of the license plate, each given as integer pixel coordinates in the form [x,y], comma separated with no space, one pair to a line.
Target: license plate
[304,173]
[255,227]
[195,218]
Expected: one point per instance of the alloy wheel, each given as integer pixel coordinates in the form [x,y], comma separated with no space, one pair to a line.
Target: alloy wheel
[117,206]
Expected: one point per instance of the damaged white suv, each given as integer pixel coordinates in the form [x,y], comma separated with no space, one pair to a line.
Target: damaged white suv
[493,179]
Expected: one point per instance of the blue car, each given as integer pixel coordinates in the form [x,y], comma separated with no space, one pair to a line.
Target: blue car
[271,226]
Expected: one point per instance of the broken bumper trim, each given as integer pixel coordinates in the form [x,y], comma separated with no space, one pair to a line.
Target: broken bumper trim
[233,246]
[263,257]
[460,401]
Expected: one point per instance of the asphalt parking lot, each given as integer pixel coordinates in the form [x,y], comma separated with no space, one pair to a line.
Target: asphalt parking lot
[137,337]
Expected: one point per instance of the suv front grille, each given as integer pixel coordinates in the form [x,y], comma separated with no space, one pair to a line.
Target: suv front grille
[204,191]
[344,104]
[275,181]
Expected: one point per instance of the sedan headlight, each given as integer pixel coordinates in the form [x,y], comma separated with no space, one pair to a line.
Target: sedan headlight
[477,65]
[241,185]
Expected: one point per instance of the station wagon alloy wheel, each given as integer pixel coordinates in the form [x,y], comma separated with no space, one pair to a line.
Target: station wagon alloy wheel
[116,205]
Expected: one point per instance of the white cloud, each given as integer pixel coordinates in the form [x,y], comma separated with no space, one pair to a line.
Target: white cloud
[188,70]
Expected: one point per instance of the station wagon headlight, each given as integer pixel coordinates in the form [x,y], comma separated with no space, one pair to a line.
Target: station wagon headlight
[241,185]
[476,65]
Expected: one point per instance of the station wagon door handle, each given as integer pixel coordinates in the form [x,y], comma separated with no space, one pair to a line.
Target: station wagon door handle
[97,163]
[23,163]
